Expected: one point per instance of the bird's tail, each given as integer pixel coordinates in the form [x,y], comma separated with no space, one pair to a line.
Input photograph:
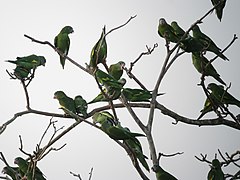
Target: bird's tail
[11,61]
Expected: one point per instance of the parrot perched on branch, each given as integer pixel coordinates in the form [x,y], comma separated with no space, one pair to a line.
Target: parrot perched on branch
[137,95]
[81,105]
[222,95]
[116,70]
[65,101]
[99,52]
[13,172]
[29,62]
[27,169]
[215,172]
[115,132]
[166,31]
[203,66]
[62,42]
[136,147]
[208,43]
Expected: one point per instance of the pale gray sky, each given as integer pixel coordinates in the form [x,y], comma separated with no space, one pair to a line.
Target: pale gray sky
[86,146]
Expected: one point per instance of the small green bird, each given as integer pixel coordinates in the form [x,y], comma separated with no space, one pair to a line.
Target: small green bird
[99,52]
[107,80]
[29,62]
[81,105]
[111,93]
[27,169]
[219,8]
[207,42]
[215,172]
[203,66]
[115,132]
[177,29]
[116,70]
[137,95]
[65,101]
[13,172]
[162,174]
[209,105]
[166,31]
[136,148]
[62,42]
[222,95]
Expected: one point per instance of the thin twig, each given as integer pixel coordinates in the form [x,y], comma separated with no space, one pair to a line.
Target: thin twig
[90,174]
[132,17]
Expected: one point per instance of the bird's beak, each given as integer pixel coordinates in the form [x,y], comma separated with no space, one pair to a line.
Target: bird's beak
[15,161]
[54,97]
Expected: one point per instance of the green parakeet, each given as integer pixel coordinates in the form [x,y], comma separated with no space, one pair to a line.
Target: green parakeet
[166,31]
[65,101]
[162,174]
[177,29]
[222,95]
[81,105]
[202,65]
[13,172]
[116,70]
[112,93]
[107,80]
[62,42]
[137,95]
[99,52]
[29,62]
[107,125]
[215,172]
[207,42]
[136,148]
[208,106]
[220,6]
[27,170]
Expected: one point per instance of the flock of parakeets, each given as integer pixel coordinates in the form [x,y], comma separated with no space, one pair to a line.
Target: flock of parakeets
[112,88]
[198,44]
[111,82]
[23,170]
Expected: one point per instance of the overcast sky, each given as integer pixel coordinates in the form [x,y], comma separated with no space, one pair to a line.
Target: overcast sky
[86,146]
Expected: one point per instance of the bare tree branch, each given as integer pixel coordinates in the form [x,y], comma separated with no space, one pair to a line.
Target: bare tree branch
[132,17]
